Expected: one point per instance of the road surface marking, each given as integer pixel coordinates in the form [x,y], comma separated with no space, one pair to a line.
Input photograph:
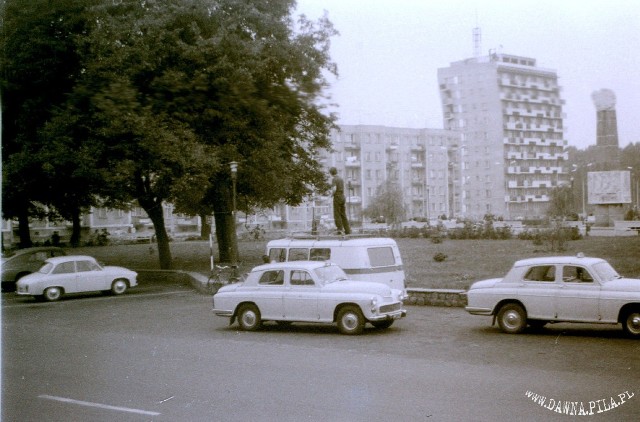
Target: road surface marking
[98,405]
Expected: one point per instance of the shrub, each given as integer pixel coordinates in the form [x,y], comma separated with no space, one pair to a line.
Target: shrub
[439,257]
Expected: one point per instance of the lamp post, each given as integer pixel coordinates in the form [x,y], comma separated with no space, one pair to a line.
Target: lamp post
[637,178]
[349,193]
[234,247]
[583,176]
[234,177]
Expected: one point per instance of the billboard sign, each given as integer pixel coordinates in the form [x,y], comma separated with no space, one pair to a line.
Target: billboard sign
[609,187]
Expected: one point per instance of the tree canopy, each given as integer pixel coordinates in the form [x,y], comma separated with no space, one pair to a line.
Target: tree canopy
[166,93]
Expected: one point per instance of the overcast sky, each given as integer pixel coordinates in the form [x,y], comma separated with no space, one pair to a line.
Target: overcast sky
[388,53]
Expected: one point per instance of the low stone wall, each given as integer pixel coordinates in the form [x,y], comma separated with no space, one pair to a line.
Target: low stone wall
[200,282]
[436,297]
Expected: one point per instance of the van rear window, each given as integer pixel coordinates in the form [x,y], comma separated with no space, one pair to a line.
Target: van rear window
[381,257]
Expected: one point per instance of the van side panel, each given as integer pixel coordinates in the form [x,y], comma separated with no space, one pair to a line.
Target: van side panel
[365,259]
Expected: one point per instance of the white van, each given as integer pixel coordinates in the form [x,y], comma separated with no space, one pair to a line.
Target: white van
[362,258]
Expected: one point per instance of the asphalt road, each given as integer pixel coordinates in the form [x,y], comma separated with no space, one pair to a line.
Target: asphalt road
[159,354]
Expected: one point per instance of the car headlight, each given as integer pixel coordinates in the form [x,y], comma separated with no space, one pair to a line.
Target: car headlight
[374,304]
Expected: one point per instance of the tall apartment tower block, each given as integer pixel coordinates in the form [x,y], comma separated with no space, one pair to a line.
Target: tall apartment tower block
[508,112]
[607,129]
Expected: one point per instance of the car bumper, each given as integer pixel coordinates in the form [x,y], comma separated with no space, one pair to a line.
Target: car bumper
[223,312]
[391,315]
[478,311]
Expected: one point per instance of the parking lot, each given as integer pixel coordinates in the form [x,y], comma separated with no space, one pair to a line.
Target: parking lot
[161,355]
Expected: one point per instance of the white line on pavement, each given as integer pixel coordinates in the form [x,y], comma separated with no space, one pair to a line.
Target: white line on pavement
[98,405]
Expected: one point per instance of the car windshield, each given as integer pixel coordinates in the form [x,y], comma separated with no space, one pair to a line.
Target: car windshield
[46,268]
[606,271]
[330,273]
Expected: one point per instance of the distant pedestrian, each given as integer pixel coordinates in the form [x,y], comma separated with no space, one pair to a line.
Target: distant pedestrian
[339,203]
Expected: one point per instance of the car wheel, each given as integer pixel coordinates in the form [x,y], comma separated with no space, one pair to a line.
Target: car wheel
[118,287]
[52,294]
[631,323]
[350,320]
[383,324]
[249,317]
[512,318]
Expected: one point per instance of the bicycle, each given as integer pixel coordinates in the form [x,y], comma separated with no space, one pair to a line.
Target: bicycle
[215,280]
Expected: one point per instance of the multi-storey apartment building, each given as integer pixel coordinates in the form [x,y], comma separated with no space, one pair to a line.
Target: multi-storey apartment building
[508,112]
[417,161]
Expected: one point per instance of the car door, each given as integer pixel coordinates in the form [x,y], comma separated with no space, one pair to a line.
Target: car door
[301,297]
[578,298]
[91,277]
[63,275]
[268,295]
[538,291]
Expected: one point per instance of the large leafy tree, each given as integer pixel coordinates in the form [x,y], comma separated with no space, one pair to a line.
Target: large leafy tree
[40,66]
[181,88]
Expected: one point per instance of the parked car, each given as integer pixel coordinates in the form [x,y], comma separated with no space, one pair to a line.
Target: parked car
[25,261]
[75,274]
[308,291]
[545,290]
[362,258]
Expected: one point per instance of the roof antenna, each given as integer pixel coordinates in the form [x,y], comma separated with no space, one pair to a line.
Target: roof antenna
[477,39]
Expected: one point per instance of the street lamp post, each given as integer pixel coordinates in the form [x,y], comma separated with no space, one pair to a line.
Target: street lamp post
[635,176]
[349,193]
[583,176]
[234,178]
[234,247]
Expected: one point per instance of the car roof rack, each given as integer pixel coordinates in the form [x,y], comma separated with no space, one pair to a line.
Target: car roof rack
[326,236]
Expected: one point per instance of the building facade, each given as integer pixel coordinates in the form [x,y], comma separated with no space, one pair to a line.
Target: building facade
[508,112]
[417,161]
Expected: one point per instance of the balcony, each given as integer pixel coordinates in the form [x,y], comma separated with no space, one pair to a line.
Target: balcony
[352,162]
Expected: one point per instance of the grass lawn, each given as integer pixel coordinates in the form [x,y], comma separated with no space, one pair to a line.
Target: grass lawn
[467,260]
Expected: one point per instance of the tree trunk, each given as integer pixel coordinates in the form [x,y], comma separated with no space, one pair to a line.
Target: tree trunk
[75,230]
[23,229]
[226,237]
[205,227]
[225,225]
[153,208]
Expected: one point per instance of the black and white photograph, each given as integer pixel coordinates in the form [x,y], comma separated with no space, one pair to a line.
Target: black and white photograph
[320,210]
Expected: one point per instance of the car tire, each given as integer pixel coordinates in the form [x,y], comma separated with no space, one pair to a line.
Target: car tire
[631,323]
[249,317]
[512,318]
[350,320]
[383,325]
[119,286]
[51,294]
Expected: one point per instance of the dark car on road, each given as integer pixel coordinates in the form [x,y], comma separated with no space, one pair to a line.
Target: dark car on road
[25,261]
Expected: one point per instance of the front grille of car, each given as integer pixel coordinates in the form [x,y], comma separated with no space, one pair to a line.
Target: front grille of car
[390,308]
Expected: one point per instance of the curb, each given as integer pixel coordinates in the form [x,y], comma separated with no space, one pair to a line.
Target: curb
[437,297]
[417,296]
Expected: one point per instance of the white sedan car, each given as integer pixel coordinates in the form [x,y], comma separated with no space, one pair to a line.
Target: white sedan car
[308,291]
[75,274]
[544,290]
